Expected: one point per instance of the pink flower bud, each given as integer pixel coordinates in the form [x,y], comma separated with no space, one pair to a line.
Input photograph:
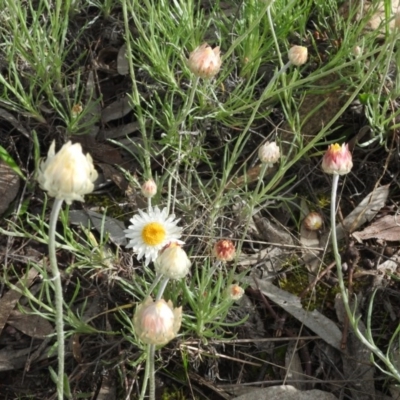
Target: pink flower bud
[157,322]
[298,55]
[313,221]
[149,188]
[173,262]
[337,160]
[224,250]
[235,292]
[269,153]
[204,61]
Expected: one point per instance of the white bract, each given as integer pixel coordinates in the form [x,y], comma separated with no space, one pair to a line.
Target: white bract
[173,262]
[157,322]
[67,175]
[269,153]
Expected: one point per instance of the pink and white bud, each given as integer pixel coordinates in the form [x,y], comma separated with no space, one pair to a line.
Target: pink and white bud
[235,292]
[149,188]
[157,322]
[204,61]
[337,160]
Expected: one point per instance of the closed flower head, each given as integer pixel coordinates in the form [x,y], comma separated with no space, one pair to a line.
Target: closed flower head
[157,322]
[235,292]
[67,175]
[269,153]
[298,55]
[173,262]
[313,221]
[204,61]
[224,250]
[337,160]
[152,231]
[149,188]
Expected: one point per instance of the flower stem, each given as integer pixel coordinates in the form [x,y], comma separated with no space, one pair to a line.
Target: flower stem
[189,103]
[146,372]
[352,316]
[163,285]
[58,296]
[150,361]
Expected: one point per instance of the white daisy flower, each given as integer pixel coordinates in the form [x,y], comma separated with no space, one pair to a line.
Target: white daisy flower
[151,231]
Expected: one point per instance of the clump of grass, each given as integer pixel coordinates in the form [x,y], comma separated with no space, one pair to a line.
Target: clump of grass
[199,138]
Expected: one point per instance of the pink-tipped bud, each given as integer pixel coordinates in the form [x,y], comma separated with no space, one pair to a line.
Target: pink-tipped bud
[224,250]
[157,322]
[337,160]
[298,55]
[313,221]
[149,189]
[173,262]
[269,153]
[235,292]
[204,61]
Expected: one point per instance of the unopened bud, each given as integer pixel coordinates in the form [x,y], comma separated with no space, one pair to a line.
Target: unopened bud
[224,250]
[298,55]
[149,189]
[313,221]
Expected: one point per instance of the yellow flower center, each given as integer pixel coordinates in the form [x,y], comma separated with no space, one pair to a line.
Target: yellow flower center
[336,147]
[153,234]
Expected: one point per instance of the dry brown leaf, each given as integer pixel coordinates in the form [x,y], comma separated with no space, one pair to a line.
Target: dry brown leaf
[294,375]
[117,109]
[385,228]
[314,320]
[32,325]
[9,186]
[11,298]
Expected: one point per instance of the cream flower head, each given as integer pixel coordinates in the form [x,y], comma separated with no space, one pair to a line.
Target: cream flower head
[67,175]
[157,322]
[204,61]
[269,153]
[235,292]
[298,55]
[151,231]
[173,262]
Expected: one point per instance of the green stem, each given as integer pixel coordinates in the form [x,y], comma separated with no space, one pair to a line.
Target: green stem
[163,285]
[150,361]
[146,372]
[189,103]
[352,318]
[58,296]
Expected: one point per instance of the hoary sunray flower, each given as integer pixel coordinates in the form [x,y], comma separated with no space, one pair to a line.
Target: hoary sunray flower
[269,153]
[337,160]
[151,231]
[224,250]
[235,292]
[157,322]
[204,61]
[298,55]
[173,262]
[68,174]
